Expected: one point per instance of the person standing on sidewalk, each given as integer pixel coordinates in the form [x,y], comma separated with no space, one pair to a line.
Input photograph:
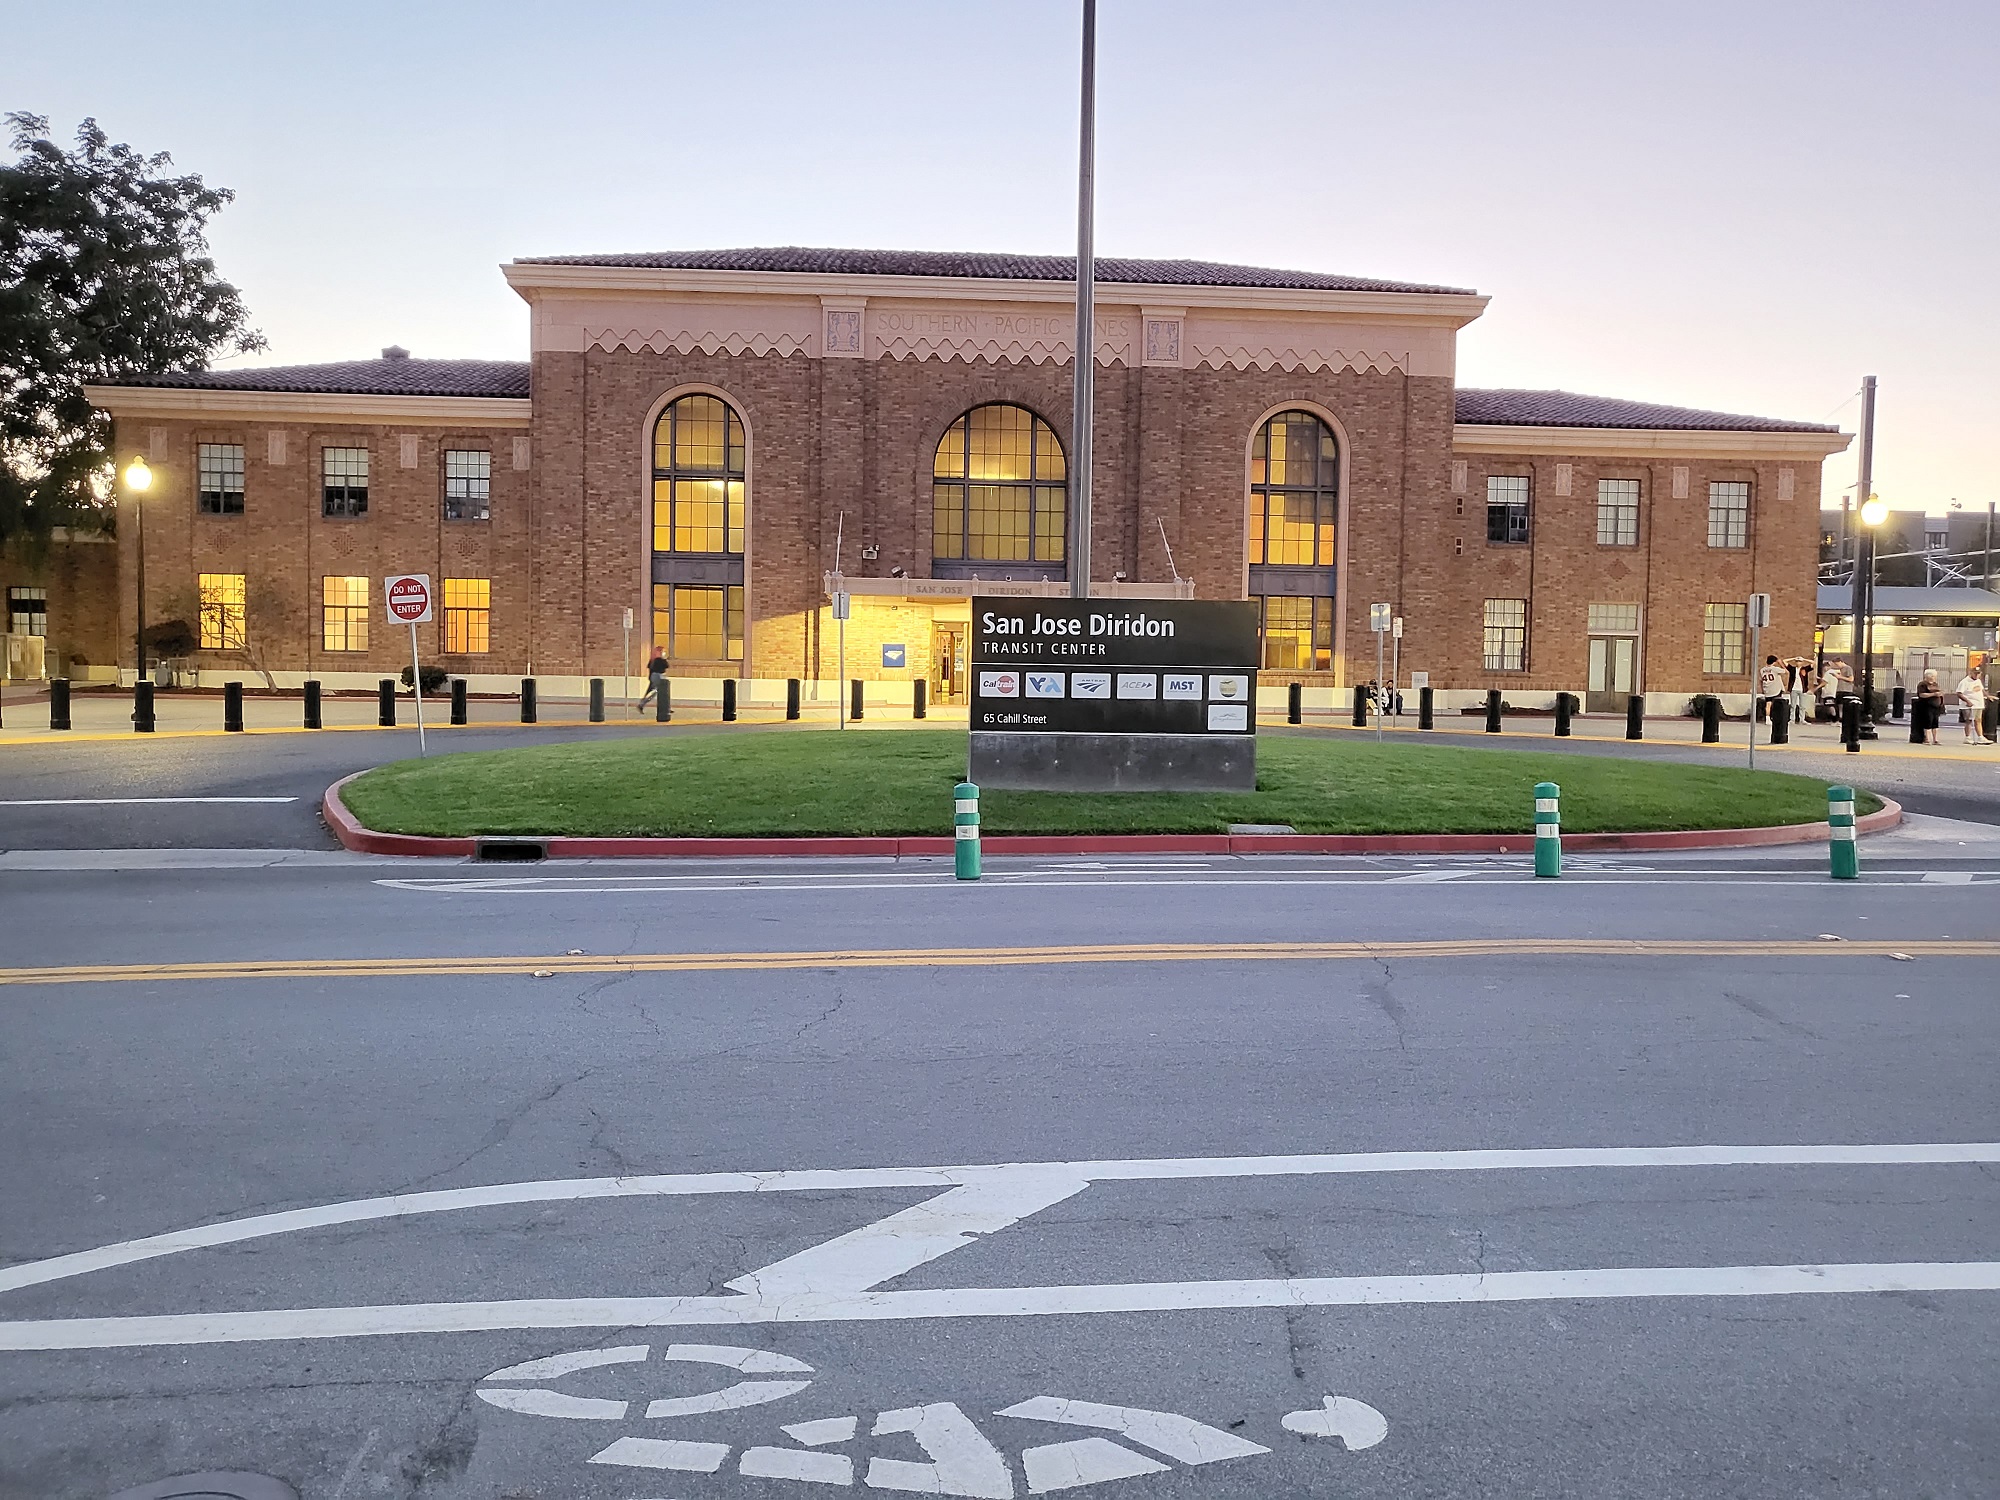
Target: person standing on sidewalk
[1972,707]
[1771,682]
[1801,686]
[1927,710]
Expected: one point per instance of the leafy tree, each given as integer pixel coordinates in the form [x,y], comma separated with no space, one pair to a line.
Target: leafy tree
[104,271]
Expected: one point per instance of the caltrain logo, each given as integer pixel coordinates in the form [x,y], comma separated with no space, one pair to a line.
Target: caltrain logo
[999,684]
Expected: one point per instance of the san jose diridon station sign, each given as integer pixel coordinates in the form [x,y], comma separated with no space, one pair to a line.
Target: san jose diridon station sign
[1114,695]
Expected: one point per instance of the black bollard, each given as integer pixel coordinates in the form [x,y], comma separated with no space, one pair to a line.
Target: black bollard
[1426,718]
[1989,721]
[1850,723]
[1563,702]
[854,704]
[1635,717]
[792,698]
[1493,710]
[729,700]
[1711,719]
[527,700]
[458,700]
[385,707]
[663,703]
[1896,702]
[1295,704]
[1781,722]
[1360,706]
[1916,734]
[311,704]
[59,703]
[920,703]
[597,700]
[232,708]
[142,707]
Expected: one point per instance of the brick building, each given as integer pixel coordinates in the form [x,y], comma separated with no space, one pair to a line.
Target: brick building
[710,439]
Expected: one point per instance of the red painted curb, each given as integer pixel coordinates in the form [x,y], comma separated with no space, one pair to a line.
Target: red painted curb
[560,846]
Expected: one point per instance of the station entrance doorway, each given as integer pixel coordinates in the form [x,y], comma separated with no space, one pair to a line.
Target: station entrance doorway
[948,661]
[1614,658]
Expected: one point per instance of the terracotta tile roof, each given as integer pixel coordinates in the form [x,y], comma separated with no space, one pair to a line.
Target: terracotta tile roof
[802,260]
[1567,409]
[358,377]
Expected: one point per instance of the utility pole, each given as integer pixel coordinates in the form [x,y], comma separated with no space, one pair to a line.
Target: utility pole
[1864,568]
[1086,354]
[1987,572]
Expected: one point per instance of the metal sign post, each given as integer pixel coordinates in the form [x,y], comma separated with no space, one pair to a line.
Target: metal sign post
[409,600]
[1760,616]
[627,681]
[1380,618]
[841,609]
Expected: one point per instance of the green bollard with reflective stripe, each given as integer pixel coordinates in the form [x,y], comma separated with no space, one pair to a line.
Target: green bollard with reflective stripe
[1840,833]
[1548,829]
[965,828]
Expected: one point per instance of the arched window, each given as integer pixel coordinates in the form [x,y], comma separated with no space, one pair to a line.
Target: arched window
[1294,492]
[698,478]
[698,515]
[1294,522]
[999,489]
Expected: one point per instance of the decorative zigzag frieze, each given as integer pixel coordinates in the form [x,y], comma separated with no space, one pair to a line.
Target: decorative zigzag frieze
[1243,357]
[1012,352]
[686,341]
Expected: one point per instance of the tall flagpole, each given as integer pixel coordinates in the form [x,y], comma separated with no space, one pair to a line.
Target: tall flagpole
[1080,424]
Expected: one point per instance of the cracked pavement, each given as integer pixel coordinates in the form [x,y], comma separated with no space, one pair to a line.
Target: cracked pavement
[138,1108]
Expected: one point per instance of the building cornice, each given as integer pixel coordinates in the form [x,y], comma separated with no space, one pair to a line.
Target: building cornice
[310,406]
[1442,309]
[1646,442]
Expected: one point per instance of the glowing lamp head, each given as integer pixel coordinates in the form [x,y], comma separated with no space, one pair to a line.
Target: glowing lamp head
[1874,511]
[137,476]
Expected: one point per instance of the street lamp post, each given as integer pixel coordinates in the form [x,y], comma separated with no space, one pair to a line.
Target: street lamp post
[1873,513]
[138,479]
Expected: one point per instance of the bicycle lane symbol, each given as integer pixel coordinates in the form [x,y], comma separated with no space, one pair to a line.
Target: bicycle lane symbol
[958,1457]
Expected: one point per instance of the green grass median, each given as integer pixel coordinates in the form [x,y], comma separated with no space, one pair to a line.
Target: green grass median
[880,782]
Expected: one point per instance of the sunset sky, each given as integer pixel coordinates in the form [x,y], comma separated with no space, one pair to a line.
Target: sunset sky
[1741,206]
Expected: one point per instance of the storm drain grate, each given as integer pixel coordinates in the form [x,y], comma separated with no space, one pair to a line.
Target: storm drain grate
[212,1487]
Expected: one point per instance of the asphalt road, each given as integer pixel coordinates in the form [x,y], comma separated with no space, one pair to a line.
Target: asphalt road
[713,1146]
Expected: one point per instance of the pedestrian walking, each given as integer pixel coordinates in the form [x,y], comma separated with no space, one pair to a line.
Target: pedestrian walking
[1771,682]
[1972,707]
[1927,710]
[656,682]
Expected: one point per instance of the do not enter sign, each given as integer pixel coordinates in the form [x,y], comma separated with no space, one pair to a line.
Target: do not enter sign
[409,596]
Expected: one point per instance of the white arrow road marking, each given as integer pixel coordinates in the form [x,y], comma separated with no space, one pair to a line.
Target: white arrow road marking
[887,1248]
[731,1357]
[743,1393]
[540,1401]
[1064,1466]
[792,1463]
[962,1462]
[555,1366]
[1355,1423]
[663,1453]
[822,1430]
[1178,1437]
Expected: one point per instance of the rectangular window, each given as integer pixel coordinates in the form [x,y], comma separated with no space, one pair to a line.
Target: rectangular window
[219,479]
[1506,645]
[27,611]
[220,598]
[468,481]
[1729,513]
[1507,508]
[343,483]
[698,624]
[1614,619]
[468,614]
[1297,632]
[698,515]
[1722,627]
[1617,512]
[343,614]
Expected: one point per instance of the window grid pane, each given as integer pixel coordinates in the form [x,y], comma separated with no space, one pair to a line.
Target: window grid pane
[344,481]
[1728,514]
[1722,631]
[699,624]
[468,484]
[999,491]
[27,610]
[221,600]
[467,615]
[1614,619]
[1506,632]
[219,479]
[1294,492]
[1507,508]
[1617,512]
[698,478]
[1297,632]
[343,614]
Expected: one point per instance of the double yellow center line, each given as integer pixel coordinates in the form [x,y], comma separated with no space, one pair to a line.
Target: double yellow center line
[523,966]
